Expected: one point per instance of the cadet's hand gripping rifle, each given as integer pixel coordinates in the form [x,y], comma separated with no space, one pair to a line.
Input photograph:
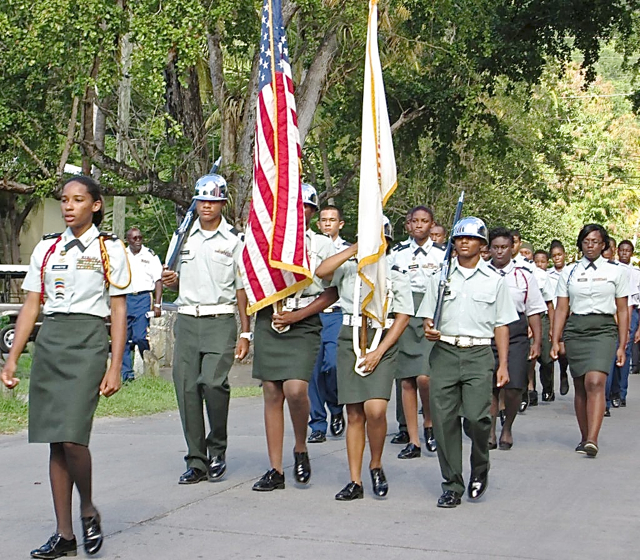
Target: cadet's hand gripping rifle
[446,265]
[185,225]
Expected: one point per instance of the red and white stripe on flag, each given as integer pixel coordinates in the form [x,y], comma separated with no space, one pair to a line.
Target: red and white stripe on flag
[378,179]
[274,259]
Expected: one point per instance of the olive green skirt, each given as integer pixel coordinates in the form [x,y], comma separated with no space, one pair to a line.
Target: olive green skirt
[69,363]
[413,347]
[289,355]
[353,388]
[518,354]
[590,341]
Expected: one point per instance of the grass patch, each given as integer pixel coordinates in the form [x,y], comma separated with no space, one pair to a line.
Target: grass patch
[146,395]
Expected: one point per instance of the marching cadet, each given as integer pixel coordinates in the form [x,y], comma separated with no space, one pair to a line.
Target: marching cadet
[366,394]
[529,305]
[209,291]
[285,352]
[323,387]
[593,290]
[476,308]
[438,234]
[558,258]
[146,283]
[81,276]
[419,257]
[618,378]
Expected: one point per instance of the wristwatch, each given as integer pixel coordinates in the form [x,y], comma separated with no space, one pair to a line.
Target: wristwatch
[247,335]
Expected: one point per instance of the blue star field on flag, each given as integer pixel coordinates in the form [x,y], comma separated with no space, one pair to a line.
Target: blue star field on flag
[281,60]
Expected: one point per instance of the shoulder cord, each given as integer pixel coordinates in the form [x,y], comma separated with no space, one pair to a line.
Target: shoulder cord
[43,268]
[526,283]
[106,265]
[571,274]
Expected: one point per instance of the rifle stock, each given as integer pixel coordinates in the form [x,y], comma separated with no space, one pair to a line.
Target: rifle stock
[446,265]
[184,227]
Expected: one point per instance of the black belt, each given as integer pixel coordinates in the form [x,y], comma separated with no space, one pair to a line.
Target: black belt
[140,293]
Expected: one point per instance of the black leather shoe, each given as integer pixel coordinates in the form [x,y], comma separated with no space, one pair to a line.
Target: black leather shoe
[92,533]
[615,402]
[548,397]
[623,403]
[302,468]
[337,425]
[271,480]
[401,438]
[351,491]
[429,440]
[449,499]
[524,404]
[607,413]
[580,448]
[379,481]
[564,385]
[411,451]
[478,485]
[217,468]
[316,437]
[591,449]
[56,547]
[533,398]
[193,476]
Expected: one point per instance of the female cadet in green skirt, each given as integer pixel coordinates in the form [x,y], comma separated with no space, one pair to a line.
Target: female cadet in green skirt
[419,258]
[366,397]
[285,350]
[81,276]
[593,290]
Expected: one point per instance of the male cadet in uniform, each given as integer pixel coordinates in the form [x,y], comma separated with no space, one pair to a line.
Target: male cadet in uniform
[146,283]
[477,307]
[438,234]
[209,290]
[323,387]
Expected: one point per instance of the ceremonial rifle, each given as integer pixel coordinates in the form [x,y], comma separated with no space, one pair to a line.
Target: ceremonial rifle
[446,265]
[185,225]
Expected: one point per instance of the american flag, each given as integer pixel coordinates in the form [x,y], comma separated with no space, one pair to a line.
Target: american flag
[274,259]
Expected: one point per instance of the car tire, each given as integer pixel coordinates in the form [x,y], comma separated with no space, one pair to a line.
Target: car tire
[6,337]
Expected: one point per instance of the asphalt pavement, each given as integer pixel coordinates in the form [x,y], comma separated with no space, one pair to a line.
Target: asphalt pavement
[544,500]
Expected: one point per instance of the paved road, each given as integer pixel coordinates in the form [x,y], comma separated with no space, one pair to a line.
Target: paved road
[544,500]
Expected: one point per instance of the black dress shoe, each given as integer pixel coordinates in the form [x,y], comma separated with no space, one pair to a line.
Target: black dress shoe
[92,533]
[316,437]
[524,404]
[591,449]
[615,402]
[429,440]
[580,448]
[449,499]
[401,438]
[379,481]
[337,425]
[623,403]
[607,413]
[564,385]
[533,398]
[217,468]
[478,485]
[548,397]
[56,547]
[492,445]
[271,480]
[351,491]
[302,467]
[411,451]
[193,476]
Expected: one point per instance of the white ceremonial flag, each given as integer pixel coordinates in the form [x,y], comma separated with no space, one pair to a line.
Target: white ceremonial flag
[378,179]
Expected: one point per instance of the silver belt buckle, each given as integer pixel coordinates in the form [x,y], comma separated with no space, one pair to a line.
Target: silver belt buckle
[464,341]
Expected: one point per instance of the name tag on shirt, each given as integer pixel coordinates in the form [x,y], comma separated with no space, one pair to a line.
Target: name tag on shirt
[186,252]
[60,267]
[412,266]
[583,279]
